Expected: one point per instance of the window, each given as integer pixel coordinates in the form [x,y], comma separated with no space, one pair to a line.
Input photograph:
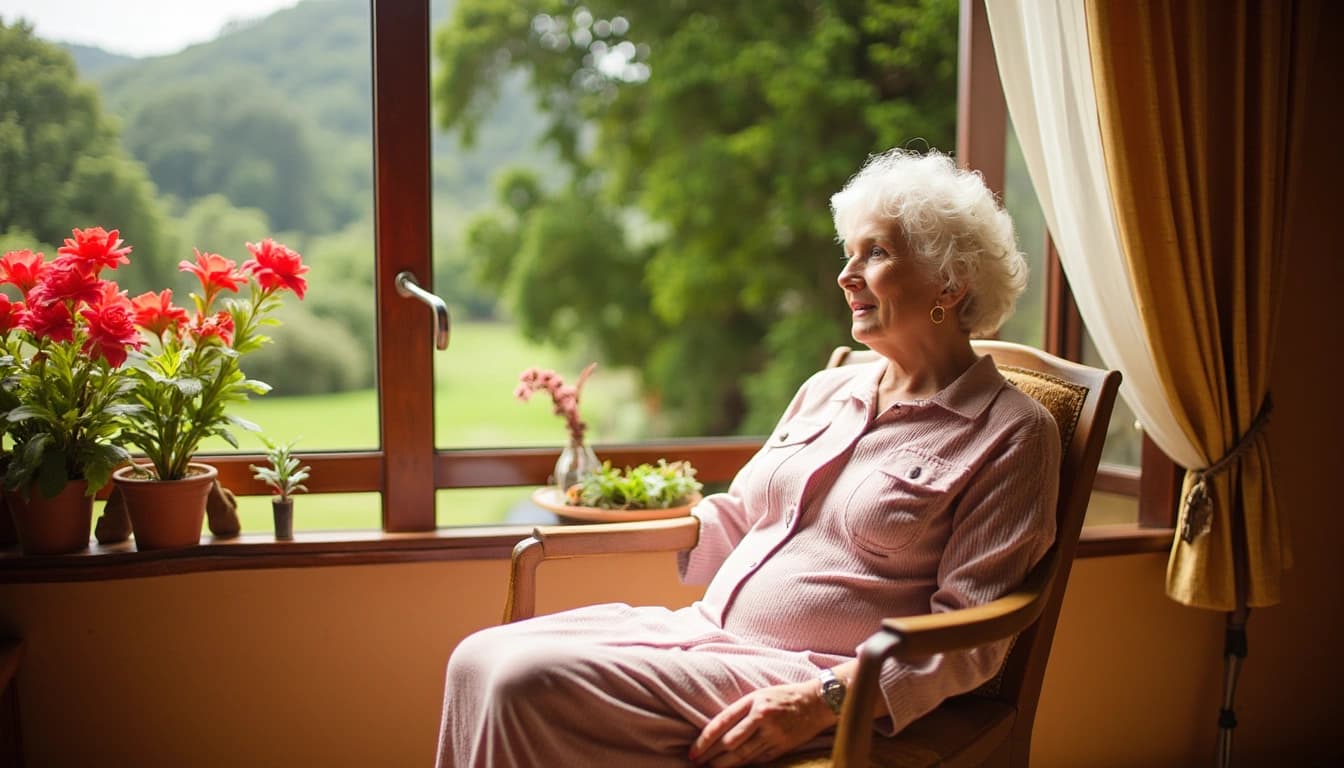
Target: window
[378,461]
[262,130]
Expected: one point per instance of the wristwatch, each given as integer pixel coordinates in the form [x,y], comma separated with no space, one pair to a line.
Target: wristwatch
[832,690]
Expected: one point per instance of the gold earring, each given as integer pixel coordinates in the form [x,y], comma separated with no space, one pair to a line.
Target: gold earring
[937,314]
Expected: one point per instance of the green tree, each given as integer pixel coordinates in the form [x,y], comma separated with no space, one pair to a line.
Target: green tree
[233,136]
[62,164]
[703,141]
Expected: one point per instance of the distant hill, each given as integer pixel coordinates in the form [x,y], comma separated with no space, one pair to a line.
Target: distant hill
[93,62]
[303,73]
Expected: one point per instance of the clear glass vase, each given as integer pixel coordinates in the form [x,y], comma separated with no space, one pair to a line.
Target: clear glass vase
[576,462]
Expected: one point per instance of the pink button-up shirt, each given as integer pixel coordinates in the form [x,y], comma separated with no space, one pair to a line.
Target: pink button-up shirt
[846,516]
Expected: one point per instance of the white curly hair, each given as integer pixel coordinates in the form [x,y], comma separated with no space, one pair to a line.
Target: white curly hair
[952,223]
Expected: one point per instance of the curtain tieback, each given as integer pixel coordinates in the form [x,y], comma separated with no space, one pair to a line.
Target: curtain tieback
[1196,504]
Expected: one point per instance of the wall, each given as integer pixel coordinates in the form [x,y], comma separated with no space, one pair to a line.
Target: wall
[333,666]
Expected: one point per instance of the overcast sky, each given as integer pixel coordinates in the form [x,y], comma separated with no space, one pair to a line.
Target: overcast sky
[135,27]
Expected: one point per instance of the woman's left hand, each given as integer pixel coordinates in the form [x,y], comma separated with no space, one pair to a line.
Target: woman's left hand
[763,725]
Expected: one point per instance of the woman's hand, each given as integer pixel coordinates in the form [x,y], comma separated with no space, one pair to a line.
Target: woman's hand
[763,725]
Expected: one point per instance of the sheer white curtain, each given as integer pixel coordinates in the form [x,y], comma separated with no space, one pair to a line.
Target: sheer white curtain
[1042,52]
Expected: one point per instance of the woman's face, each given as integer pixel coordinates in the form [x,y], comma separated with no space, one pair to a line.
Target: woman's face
[889,294]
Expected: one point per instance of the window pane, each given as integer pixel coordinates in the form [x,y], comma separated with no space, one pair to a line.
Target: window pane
[209,126]
[1111,509]
[674,226]
[1124,437]
[1027,325]
[314,512]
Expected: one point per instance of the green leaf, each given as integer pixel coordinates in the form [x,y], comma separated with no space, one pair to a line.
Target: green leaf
[239,421]
[189,387]
[51,474]
[25,412]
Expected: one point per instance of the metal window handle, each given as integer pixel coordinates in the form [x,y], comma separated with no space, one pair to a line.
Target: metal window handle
[408,286]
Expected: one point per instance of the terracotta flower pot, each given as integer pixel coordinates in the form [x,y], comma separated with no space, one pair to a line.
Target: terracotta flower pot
[8,536]
[165,513]
[52,526]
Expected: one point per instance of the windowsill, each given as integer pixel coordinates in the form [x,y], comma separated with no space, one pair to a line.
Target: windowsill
[318,549]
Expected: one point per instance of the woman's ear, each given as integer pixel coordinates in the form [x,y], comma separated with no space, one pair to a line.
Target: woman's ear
[951,297]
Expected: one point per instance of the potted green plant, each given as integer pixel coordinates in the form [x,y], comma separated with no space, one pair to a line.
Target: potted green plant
[664,486]
[645,492]
[63,390]
[285,476]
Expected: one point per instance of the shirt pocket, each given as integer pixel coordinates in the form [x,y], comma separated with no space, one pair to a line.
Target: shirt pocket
[795,433]
[895,503]
[766,481]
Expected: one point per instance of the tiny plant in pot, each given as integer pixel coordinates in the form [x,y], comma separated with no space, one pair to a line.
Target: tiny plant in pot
[646,486]
[285,476]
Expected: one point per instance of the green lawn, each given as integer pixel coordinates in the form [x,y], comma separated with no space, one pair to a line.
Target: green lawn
[474,407]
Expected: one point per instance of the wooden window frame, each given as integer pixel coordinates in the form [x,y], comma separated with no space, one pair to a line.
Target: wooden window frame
[407,469]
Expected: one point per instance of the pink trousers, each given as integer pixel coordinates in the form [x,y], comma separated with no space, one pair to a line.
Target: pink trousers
[605,685]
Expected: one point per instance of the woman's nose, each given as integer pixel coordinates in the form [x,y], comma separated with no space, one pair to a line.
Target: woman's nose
[849,277]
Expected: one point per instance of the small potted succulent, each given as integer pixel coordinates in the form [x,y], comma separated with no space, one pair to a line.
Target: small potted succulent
[285,477]
[665,486]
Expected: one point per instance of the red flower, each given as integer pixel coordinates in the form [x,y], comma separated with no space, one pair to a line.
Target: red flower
[111,331]
[215,272]
[10,313]
[48,321]
[110,295]
[93,249]
[155,312]
[277,267]
[22,269]
[66,282]
[218,326]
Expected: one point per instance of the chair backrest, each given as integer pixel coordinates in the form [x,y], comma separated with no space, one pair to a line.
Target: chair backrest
[1080,398]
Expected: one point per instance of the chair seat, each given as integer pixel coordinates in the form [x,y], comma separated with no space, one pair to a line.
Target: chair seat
[964,730]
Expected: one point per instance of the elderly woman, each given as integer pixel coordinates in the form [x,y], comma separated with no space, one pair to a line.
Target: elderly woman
[923,482]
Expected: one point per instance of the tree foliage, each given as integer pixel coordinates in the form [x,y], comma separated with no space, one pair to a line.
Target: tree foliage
[61,162]
[703,141]
[233,136]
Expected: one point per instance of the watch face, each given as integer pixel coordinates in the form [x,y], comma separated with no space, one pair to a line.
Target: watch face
[833,692]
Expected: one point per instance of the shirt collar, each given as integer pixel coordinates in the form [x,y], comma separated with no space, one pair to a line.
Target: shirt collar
[967,396]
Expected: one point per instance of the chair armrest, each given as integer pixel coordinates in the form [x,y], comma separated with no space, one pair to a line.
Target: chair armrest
[555,542]
[919,636]
[978,625]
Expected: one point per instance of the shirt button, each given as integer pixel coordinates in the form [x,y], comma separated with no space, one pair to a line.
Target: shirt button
[752,564]
[914,473]
[783,436]
[788,516]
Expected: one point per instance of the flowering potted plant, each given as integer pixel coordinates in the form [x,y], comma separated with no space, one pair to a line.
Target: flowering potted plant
[62,347]
[188,375]
[285,477]
[577,460]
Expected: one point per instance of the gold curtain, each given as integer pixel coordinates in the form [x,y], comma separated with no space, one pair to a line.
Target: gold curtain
[1200,107]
